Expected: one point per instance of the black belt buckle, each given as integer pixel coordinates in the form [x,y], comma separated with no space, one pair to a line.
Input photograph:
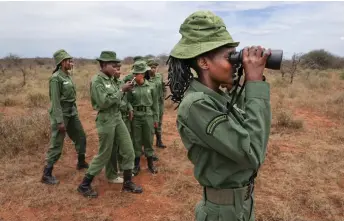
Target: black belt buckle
[249,192]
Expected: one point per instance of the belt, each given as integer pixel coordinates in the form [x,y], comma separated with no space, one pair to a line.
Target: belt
[227,196]
[110,111]
[140,108]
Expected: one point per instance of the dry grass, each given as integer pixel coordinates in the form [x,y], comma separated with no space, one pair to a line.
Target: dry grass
[301,180]
[285,120]
[23,134]
[37,99]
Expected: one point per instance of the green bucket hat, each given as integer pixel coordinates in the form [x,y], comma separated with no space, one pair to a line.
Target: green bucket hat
[137,58]
[108,56]
[151,62]
[140,67]
[201,32]
[61,55]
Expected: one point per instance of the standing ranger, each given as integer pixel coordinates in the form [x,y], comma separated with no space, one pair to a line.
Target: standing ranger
[144,101]
[225,145]
[63,116]
[158,80]
[106,98]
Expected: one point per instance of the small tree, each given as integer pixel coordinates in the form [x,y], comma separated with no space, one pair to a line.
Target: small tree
[295,61]
[290,66]
[16,61]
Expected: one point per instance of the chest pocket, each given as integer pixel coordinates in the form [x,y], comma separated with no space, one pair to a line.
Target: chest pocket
[143,96]
[110,88]
[68,89]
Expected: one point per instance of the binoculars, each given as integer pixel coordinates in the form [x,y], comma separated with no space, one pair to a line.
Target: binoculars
[273,61]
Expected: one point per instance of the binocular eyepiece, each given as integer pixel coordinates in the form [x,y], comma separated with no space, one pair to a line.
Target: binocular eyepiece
[273,61]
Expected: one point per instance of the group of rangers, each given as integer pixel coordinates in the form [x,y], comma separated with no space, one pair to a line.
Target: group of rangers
[130,112]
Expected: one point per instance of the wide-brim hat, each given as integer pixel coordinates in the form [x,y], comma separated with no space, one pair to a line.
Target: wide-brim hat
[108,56]
[201,32]
[151,62]
[61,55]
[140,67]
[137,58]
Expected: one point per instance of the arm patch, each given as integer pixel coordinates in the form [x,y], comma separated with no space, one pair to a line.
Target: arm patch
[215,122]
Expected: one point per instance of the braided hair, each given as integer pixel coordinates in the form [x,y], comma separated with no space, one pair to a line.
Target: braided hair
[180,75]
[57,68]
[179,78]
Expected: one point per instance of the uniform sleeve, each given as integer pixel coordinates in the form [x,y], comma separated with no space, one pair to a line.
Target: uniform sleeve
[240,100]
[129,97]
[163,87]
[103,99]
[55,101]
[241,143]
[155,107]
[130,107]
[127,78]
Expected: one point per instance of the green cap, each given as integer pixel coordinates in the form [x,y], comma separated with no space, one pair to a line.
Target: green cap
[61,55]
[151,62]
[137,58]
[108,56]
[201,32]
[140,67]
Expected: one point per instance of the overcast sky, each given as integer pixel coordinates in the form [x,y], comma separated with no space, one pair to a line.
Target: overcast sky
[32,29]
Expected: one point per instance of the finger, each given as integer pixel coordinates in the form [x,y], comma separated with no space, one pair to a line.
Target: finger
[252,51]
[245,53]
[259,51]
[266,54]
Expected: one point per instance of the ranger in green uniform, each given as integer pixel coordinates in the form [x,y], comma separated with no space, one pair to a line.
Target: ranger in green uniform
[144,101]
[106,98]
[63,116]
[225,144]
[158,79]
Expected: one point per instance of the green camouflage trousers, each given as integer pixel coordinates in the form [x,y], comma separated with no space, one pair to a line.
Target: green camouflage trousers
[113,138]
[75,132]
[143,131]
[240,210]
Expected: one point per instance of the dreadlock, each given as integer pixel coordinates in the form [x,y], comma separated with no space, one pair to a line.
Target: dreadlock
[179,78]
[57,68]
[180,75]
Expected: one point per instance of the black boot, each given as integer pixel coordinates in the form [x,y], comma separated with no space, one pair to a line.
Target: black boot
[82,164]
[155,157]
[137,167]
[47,177]
[151,167]
[85,187]
[128,185]
[159,141]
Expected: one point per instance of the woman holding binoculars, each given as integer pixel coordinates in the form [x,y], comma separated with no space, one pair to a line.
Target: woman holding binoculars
[226,145]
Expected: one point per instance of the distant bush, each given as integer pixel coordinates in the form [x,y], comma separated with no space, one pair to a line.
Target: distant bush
[321,59]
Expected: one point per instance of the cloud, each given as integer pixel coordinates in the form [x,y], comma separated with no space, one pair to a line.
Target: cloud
[342,38]
[139,28]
